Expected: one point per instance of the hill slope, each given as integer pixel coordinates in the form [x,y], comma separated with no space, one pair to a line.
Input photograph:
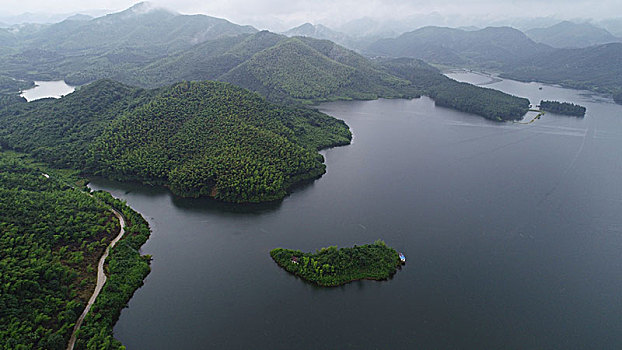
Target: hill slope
[278,67]
[209,138]
[572,35]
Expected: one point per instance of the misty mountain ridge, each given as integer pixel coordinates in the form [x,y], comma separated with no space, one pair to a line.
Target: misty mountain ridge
[490,47]
[319,31]
[568,34]
[138,26]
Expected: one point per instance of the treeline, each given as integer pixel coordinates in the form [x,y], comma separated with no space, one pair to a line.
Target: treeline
[617,97]
[126,270]
[488,103]
[565,108]
[199,139]
[51,237]
[332,266]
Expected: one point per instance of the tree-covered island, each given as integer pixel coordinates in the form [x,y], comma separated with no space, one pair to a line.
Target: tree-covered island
[563,108]
[334,266]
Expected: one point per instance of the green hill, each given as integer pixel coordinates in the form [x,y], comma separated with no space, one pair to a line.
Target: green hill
[280,68]
[209,138]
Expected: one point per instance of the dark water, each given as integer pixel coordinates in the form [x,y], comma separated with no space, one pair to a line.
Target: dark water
[513,235]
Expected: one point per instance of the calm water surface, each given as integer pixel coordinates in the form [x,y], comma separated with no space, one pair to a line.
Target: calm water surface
[43,89]
[513,235]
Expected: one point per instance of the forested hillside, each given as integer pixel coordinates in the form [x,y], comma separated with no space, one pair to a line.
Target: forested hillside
[210,138]
[51,237]
[283,69]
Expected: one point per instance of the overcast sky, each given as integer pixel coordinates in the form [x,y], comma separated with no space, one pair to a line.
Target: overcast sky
[285,13]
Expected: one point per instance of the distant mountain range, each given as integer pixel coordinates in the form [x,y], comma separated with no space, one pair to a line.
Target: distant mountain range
[320,32]
[489,47]
[572,35]
[150,47]
[596,67]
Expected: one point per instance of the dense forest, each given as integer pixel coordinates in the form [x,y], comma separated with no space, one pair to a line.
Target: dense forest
[565,108]
[489,103]
[617,97]
[332,266]
[126,272]
[199,139]
[51,237]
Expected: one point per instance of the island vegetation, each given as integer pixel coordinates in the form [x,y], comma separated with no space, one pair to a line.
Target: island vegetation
[52,234]
[565,108]
[334,266]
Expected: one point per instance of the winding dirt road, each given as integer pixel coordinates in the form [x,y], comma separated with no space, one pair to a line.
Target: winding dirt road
[101,279]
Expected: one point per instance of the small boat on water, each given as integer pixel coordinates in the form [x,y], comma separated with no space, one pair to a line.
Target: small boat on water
[402,258]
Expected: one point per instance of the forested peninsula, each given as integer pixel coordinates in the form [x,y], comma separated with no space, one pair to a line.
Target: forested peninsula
[488,103]
[565,108]
[51,237]
[334,266]
[198,138]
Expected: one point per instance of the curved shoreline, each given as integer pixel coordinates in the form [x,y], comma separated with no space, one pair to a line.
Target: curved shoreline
[101,280]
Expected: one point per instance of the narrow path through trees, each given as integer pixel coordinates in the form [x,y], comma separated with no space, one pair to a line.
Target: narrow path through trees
[101,279]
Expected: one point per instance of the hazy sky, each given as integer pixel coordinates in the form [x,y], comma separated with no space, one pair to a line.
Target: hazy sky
[285,13]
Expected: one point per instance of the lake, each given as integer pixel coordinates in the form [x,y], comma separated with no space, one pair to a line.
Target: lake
[512,233]
[43,89]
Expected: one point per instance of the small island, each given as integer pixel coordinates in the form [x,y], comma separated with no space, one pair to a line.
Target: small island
[563,108]
[332,266]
